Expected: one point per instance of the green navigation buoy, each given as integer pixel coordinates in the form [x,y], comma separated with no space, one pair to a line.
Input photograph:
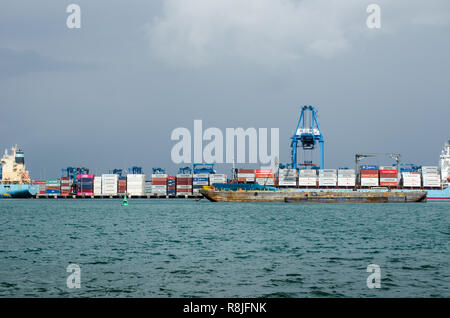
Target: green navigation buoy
[125,201]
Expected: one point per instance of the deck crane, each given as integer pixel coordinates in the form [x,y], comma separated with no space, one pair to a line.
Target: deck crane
[308,134]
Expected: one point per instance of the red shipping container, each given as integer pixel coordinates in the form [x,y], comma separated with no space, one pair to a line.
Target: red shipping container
[246,170]
[388,184]
[159,181]
[388,171]
[264,171]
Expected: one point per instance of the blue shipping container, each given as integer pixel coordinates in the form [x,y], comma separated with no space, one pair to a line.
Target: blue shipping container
[369,167]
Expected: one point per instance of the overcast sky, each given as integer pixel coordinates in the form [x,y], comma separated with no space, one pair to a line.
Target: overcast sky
[108,95]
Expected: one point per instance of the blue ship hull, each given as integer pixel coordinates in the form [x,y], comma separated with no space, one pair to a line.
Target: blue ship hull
[439,195]
[18,190]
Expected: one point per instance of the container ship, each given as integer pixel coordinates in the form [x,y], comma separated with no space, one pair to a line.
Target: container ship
[367,183]
[15,179]
[289,183]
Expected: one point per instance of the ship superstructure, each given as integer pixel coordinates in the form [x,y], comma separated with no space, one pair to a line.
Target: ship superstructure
[13,167]
[444,164]
[15,181]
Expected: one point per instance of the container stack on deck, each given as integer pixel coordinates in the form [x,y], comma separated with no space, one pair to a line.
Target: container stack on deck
[136,184]
[388,177]
[122,185]
[346,178]
[41,186]
[217,178]
[265,177]
[53,187]
[327,178]
[369,176]
[411,179]
[431,177]
[287,177]
[246,175]
[66,186]
[85,185]
[148,187]
[184,184]
[171,185]
[199,180]
[97,185]
[159,184]
[307,178]
[109,184]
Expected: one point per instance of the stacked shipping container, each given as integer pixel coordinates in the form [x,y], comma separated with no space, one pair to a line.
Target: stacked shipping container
[159,184]
[287,177]
[431,177]
[171,185]
[199,180]
[307,178]
[265,176]
[136,184]
[53,187]
[97,185]
[41,186]
[148,187]
[388,177]
[66,186]
[369,176]
[346,178]
[327,177]
[246,175]
[85,184]
[217,178]
[411,179]
[109,184]
[122,185]
[184,184]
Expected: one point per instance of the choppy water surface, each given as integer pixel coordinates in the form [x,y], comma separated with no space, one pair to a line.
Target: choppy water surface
[181,248]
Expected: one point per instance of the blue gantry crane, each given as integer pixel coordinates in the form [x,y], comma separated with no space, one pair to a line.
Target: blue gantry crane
[158,171]
[135,170]
[72,173]
[204,168]
[185,170]
[308,134]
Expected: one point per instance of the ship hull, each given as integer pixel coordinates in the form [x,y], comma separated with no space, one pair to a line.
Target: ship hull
[439,195]
[315,196]
[17,190]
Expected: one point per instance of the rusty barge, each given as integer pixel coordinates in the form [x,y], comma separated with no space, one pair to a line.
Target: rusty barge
[300,196]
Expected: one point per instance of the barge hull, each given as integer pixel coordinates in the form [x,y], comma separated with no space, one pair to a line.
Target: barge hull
[315,196]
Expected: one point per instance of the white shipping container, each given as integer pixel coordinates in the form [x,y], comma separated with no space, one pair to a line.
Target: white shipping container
[265,181]
[181,175]
[202,183]
[369,182]
[306,181]
[246,175]
[161,176]
[346,182]
[187,186]
[388,179]
[109,183]
[287,183]
[201,175]
[287,172]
